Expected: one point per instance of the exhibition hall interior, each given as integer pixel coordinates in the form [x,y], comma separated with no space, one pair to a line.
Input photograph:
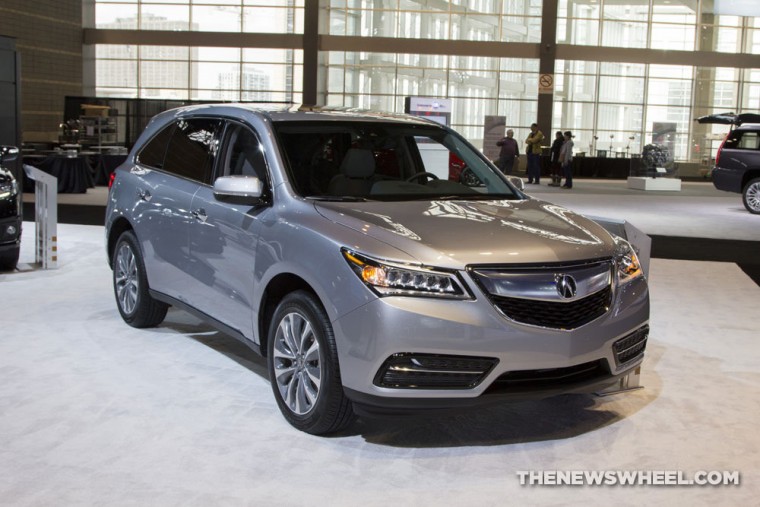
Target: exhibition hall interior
[451,323]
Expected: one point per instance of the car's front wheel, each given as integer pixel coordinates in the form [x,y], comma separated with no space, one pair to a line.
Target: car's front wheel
[751,196]
[130,285]
[303,366]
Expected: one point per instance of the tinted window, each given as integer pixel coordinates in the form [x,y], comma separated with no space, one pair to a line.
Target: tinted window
[153,153]
[192,148]
[748,141]
[244,155]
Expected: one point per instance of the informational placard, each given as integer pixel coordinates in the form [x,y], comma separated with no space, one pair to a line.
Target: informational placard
[438,110]
[493,130]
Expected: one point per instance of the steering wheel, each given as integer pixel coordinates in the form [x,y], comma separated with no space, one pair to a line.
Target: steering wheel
[469,178]
[420,174]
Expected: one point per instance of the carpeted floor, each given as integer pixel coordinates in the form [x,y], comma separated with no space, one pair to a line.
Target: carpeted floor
[94,412]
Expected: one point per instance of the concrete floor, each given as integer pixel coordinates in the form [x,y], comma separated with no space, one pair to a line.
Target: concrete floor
[93,412]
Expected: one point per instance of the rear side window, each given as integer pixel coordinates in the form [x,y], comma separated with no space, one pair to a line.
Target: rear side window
[153,153]
[744,140]
[192,148]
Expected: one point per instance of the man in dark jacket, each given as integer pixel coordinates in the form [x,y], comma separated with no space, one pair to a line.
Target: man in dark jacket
[559,139]
[510,150]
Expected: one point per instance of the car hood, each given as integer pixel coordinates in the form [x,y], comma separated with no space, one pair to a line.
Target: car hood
[454,234]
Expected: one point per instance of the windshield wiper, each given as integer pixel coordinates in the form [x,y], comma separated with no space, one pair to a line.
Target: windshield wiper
[337,198]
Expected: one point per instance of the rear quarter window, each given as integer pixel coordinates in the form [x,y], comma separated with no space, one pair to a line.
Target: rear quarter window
[153,153]
[744,140]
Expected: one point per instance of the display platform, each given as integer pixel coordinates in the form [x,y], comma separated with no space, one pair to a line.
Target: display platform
[94,412]
[649,183]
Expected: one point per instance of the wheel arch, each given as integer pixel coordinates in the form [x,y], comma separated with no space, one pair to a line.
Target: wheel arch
[117,228]
[278,287]
[750,175]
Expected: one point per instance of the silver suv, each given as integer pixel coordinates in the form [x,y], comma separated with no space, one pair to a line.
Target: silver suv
[380,263]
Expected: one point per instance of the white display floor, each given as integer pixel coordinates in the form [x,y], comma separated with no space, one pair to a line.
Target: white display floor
[94,412]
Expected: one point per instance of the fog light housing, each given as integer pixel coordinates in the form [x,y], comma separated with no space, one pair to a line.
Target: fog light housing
[11,230]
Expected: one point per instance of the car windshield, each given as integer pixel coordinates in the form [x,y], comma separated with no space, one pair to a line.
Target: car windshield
[386,161]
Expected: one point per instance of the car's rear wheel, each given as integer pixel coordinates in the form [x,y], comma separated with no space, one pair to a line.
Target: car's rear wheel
[130,285]
[303,366]
[751,196]
[9,259]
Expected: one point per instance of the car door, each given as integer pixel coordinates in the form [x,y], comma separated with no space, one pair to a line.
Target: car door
[224,236]
[176,162]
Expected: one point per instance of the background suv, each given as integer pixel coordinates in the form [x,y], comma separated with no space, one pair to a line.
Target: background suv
[737,163]
[373,276]
[10,211]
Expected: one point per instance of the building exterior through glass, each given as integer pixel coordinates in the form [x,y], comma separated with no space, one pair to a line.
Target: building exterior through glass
[622,70]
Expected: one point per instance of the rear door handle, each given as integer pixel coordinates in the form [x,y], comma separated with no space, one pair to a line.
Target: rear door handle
[200,214]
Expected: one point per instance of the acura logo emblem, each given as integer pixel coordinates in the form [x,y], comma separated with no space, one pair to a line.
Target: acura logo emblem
[566,286]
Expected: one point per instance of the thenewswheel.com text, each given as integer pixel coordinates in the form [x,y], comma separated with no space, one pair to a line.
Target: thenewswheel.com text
[627,478]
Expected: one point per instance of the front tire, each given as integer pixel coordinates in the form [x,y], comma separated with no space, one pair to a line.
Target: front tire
[303,366]
[751,196]
[130,285]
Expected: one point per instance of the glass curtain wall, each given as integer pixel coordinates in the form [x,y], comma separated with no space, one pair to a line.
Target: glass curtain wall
[200,73]
[611,105]
[477,85]
[621,107]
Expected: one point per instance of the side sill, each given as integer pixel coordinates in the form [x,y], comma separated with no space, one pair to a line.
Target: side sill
[221,326]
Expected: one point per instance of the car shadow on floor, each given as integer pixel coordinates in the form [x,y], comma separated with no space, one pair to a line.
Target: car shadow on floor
[559,417]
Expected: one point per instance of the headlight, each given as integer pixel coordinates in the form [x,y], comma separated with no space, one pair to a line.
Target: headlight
[626,261]
[388,279]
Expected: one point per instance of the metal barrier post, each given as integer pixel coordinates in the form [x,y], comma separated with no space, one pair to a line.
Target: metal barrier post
[45,217]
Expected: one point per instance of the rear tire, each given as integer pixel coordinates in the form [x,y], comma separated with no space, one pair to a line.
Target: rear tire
[130,285]
[9,259]
[751,196]
[303,366]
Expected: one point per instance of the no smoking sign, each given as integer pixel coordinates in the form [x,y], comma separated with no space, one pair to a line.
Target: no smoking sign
[546,83]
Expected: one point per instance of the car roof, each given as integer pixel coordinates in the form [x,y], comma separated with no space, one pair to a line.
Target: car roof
[298,113]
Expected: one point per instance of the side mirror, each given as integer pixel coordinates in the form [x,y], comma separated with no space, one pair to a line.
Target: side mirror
[8,153]
[518,182]
[245,190]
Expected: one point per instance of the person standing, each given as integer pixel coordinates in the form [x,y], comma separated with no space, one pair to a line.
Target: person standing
[566,159]
[509,152]
[559,140]
[534,154]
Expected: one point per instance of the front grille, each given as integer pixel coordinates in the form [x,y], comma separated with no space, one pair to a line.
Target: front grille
[555,314]
[528,380]
[433,371]
[632,346]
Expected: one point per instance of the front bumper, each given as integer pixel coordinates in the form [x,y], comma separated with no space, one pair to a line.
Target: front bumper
[385,327]
[10,240]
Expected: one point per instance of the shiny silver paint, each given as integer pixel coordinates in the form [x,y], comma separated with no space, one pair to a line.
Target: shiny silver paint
[220,259]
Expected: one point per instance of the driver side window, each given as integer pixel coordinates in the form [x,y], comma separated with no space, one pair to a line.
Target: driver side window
[244,155]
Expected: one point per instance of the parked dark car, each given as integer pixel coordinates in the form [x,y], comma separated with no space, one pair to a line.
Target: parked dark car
[10,211]
[737,164]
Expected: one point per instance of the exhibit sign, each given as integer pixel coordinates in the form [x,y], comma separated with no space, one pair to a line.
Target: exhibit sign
[438,110]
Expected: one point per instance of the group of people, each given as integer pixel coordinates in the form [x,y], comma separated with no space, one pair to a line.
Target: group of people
[561,156]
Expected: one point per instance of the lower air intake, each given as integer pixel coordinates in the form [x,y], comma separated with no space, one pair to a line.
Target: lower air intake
[632,346]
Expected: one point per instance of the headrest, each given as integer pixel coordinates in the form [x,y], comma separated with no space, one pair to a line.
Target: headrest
[358,163]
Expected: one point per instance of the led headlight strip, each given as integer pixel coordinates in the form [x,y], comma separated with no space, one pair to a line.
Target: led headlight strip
[397,280]
[628,266]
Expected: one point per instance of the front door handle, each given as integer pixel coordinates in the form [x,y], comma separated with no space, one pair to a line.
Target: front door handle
[200,214]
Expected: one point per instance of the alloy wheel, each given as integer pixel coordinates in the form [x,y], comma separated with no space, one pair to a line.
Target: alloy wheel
[752,196]
[297,364]
[126,279]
